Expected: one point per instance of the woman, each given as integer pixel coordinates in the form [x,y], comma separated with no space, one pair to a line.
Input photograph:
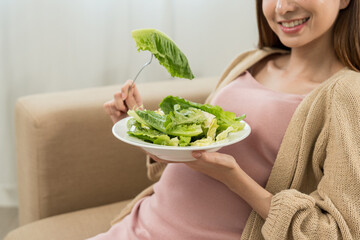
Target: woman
[306,98]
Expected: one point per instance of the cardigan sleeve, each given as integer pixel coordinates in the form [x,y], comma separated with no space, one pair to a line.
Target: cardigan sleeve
[333,210]
[154,169]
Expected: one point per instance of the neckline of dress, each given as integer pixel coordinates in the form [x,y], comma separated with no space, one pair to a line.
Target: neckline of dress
[253,80]
[334,76]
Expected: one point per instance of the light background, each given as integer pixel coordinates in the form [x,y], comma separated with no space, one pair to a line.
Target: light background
[58,45]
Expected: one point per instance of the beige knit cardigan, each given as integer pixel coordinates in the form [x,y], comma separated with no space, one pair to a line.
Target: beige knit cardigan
[315,179]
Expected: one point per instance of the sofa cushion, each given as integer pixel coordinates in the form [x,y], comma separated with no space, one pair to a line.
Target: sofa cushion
[77,225]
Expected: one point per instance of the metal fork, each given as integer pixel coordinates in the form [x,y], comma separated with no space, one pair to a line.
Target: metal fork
[152,55]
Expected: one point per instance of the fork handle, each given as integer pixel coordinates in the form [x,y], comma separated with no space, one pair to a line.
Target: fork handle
[152,55]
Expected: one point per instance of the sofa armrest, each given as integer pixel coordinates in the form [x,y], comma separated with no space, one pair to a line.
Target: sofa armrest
[67,157]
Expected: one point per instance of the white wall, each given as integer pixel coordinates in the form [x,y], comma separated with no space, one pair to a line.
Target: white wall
[68,44]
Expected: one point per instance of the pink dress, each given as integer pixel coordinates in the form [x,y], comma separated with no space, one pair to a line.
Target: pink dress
[190,205]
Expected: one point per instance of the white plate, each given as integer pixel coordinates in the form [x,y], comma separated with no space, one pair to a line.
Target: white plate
[171,153]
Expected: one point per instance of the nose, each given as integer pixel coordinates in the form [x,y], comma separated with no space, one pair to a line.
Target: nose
[284,6]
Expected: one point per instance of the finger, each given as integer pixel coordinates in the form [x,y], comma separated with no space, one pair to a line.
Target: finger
[119,102]
[125,89]
[130,100]
[213,157]
[110,108]
[198,154]
[137,95]
[107,107]
[217,158]
[115,114]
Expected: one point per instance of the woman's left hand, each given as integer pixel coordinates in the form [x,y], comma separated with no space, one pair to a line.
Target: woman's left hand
[219,166]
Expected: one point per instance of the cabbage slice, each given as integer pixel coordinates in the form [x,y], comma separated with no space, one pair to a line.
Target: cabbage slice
[165,50]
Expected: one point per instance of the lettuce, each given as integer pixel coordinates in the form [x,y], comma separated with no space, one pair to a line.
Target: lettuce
[149,118]
[186,130]
[146,134]
[165,140]
[212,129]
[165,50]
[165,124]
[203,142]
[224,134]
[180,122]
[184,141]
[225,119]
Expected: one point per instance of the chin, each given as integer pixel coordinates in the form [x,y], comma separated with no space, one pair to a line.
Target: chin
[293,43]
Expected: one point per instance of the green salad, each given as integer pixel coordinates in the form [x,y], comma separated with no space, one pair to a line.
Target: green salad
[179,122]
[165,50]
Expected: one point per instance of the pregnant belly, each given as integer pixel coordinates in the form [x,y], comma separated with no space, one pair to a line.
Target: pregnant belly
[186,200]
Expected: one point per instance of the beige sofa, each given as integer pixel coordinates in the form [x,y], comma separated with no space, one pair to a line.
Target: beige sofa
[74,176]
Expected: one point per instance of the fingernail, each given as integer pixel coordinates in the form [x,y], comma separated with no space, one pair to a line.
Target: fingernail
[197,154]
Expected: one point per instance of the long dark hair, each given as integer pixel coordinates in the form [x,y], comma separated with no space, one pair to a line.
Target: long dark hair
[346,34]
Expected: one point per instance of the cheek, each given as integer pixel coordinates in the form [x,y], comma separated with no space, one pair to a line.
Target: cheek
[268,7]
[323,20]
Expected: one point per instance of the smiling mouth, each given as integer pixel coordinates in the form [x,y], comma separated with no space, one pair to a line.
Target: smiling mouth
[294,23]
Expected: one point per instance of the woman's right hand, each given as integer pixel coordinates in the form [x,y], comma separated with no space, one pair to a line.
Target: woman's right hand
[127,98]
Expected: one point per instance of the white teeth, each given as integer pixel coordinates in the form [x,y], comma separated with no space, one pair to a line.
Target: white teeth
[293,23]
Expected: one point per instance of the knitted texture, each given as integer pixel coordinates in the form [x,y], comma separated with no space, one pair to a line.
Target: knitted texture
[154,169]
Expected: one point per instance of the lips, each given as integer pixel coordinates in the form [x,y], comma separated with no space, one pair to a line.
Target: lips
[293,26]
[294,23]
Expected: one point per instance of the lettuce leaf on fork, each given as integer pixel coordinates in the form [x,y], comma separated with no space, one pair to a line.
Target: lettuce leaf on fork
[165,50]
